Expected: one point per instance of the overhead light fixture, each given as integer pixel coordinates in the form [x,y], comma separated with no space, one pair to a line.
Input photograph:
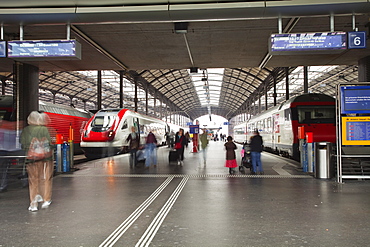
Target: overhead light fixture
[193,70]
[181,27]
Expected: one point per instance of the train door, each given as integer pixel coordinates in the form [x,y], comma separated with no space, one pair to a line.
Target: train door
[136,124]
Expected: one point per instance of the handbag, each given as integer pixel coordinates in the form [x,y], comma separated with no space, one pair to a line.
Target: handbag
[178,145]
[39,149]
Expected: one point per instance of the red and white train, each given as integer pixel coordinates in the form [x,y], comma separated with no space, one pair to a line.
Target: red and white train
[61,119]
[279,125]
[107,131]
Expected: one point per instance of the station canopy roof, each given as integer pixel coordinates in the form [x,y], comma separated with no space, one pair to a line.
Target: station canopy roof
[226,42]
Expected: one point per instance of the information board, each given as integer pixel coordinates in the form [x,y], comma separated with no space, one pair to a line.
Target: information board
[355,99]
[194,129]
[356,40]
[36,50]
[295,43]
[2,48]
[356,130]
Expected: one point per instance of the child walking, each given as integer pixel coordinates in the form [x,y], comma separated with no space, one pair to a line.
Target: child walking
[230,155]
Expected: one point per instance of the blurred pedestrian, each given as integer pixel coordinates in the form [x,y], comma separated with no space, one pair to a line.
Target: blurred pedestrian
[204,144]
[8,147]
[187,136]
[256,146]
[134,144]
[150,150]
[230,155]
[180,142]
[40,171]
[168,139]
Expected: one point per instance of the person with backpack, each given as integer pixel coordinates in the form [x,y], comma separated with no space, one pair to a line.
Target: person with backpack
[36,141]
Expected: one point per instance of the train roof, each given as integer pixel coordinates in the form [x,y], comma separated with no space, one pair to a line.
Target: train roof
[310,97]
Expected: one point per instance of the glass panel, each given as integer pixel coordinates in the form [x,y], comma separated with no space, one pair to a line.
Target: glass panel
[316,114]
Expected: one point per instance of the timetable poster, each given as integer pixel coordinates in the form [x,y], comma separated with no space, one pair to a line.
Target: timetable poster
[356,130]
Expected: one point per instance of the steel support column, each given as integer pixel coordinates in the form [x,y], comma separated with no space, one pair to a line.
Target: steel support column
[274,77]
[146,100]
[286,83]
[135,99]
[305,79]
[99,93]
[121,89]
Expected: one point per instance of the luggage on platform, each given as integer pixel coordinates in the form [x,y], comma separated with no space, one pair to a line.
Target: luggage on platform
[172,156]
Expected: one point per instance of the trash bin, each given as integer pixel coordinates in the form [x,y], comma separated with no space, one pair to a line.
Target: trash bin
[324,168]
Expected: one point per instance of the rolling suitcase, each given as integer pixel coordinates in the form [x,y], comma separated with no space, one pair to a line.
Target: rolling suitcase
[172,156]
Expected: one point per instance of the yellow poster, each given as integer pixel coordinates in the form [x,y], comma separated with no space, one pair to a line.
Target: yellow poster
[355,130]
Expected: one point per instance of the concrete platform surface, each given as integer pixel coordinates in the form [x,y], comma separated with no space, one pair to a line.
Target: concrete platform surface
[105,203]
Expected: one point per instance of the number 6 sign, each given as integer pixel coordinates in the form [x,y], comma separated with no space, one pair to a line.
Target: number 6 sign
[356,40]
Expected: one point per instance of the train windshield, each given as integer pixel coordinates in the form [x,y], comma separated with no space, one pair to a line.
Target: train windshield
[102,123]
[316,114]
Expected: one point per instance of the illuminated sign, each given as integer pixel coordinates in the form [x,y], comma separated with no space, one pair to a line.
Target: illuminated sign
[194,129]
[356,130]
[296,43]
[355,99]
[2,48]
[356,40]
[38,50]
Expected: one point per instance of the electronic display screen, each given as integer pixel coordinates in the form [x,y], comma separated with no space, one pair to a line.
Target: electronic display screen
[44,49]
[2,48]
[356,130]
[355,99]
[291,43]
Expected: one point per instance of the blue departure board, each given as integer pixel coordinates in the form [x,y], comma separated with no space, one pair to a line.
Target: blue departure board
[44,49]
[294,43]
[2,48]
[194,129]
[355,99]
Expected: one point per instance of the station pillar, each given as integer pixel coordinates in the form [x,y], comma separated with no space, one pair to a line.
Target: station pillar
[26,77]
[364,69]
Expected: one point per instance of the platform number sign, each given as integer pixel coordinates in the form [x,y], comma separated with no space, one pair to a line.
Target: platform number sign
[356,40]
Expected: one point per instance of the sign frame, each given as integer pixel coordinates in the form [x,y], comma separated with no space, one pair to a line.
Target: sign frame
[345,131]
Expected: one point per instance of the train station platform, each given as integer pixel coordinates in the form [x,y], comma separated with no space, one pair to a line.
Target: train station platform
[105,203]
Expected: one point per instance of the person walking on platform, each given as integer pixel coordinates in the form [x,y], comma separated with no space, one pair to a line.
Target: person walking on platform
[256,147]
[204,143]
[40,172]
[187,136]
[134,143]
[150,150]
[230,155]
[180,141]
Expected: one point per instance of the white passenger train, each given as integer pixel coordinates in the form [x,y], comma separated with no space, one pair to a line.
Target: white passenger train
[279,125]
[107,131]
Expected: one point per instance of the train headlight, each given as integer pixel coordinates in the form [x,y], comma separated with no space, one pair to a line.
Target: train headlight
[110,133]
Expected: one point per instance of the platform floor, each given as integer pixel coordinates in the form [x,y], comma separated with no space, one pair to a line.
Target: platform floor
[106,203]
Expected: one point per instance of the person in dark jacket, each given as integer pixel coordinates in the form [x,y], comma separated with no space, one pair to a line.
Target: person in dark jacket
[256,146]
[180,142]
[150,150]
[230,155]
[134,143]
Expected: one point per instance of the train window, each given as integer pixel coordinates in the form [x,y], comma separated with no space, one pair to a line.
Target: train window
[102,123]
[316,114]
[124,125]
[287,115]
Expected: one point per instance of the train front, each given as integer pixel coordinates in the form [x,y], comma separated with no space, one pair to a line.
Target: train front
[99,137]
